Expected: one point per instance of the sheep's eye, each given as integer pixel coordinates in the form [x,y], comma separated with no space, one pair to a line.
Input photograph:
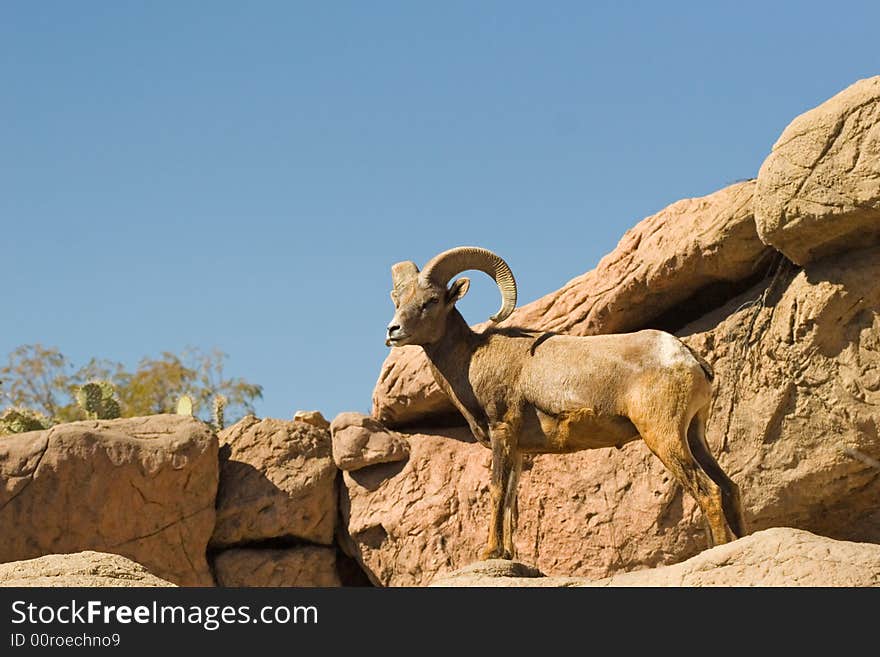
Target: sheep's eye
[430,302]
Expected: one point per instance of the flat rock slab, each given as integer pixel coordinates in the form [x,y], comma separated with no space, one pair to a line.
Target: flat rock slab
[499,568]
[85,568]
[773,557]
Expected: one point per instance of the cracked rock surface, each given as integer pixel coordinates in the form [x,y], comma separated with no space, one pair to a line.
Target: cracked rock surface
[141,487]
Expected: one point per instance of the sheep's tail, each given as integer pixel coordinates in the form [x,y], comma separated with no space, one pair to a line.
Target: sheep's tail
[707,368]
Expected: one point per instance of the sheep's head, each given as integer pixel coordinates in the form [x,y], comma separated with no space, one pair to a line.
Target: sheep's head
[423,301]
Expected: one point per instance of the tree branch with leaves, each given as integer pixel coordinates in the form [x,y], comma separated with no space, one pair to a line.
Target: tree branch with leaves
[44,380]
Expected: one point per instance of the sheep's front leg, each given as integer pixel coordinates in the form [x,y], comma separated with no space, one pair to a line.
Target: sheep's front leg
[511,508]
[506,465]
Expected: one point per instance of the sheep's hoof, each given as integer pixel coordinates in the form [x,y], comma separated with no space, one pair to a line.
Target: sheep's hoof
[496,553]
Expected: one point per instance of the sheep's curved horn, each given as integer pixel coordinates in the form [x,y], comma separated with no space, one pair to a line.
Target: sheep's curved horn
[442,267]
[402,273]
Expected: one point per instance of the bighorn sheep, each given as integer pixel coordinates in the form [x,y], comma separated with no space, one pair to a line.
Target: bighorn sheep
[524,392]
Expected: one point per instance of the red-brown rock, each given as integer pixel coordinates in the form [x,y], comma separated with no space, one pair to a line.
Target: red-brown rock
[277,480]
[303,566]
[360,441]
[142,488]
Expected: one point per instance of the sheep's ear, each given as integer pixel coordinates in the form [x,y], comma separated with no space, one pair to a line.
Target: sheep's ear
[458,289]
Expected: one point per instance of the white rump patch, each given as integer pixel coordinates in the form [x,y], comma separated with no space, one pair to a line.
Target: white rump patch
[672,352]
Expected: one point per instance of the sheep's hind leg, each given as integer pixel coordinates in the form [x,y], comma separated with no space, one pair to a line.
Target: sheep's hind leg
[670,445]
[730,496]
[503,490]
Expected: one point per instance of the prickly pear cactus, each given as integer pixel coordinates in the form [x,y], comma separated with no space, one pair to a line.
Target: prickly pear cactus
[19,420]
[185,405]
[98,400]
[88,397]
[107,389]
[110,408]
[218,412]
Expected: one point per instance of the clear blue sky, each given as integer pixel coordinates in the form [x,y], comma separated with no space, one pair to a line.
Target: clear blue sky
[242,175]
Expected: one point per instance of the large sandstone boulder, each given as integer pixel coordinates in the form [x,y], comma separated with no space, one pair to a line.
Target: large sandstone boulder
[305,566]
[819,189]
[142,487]
[87,569]
[773,557]
[359,441]
[794,422]
[682,260]
[277,479]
